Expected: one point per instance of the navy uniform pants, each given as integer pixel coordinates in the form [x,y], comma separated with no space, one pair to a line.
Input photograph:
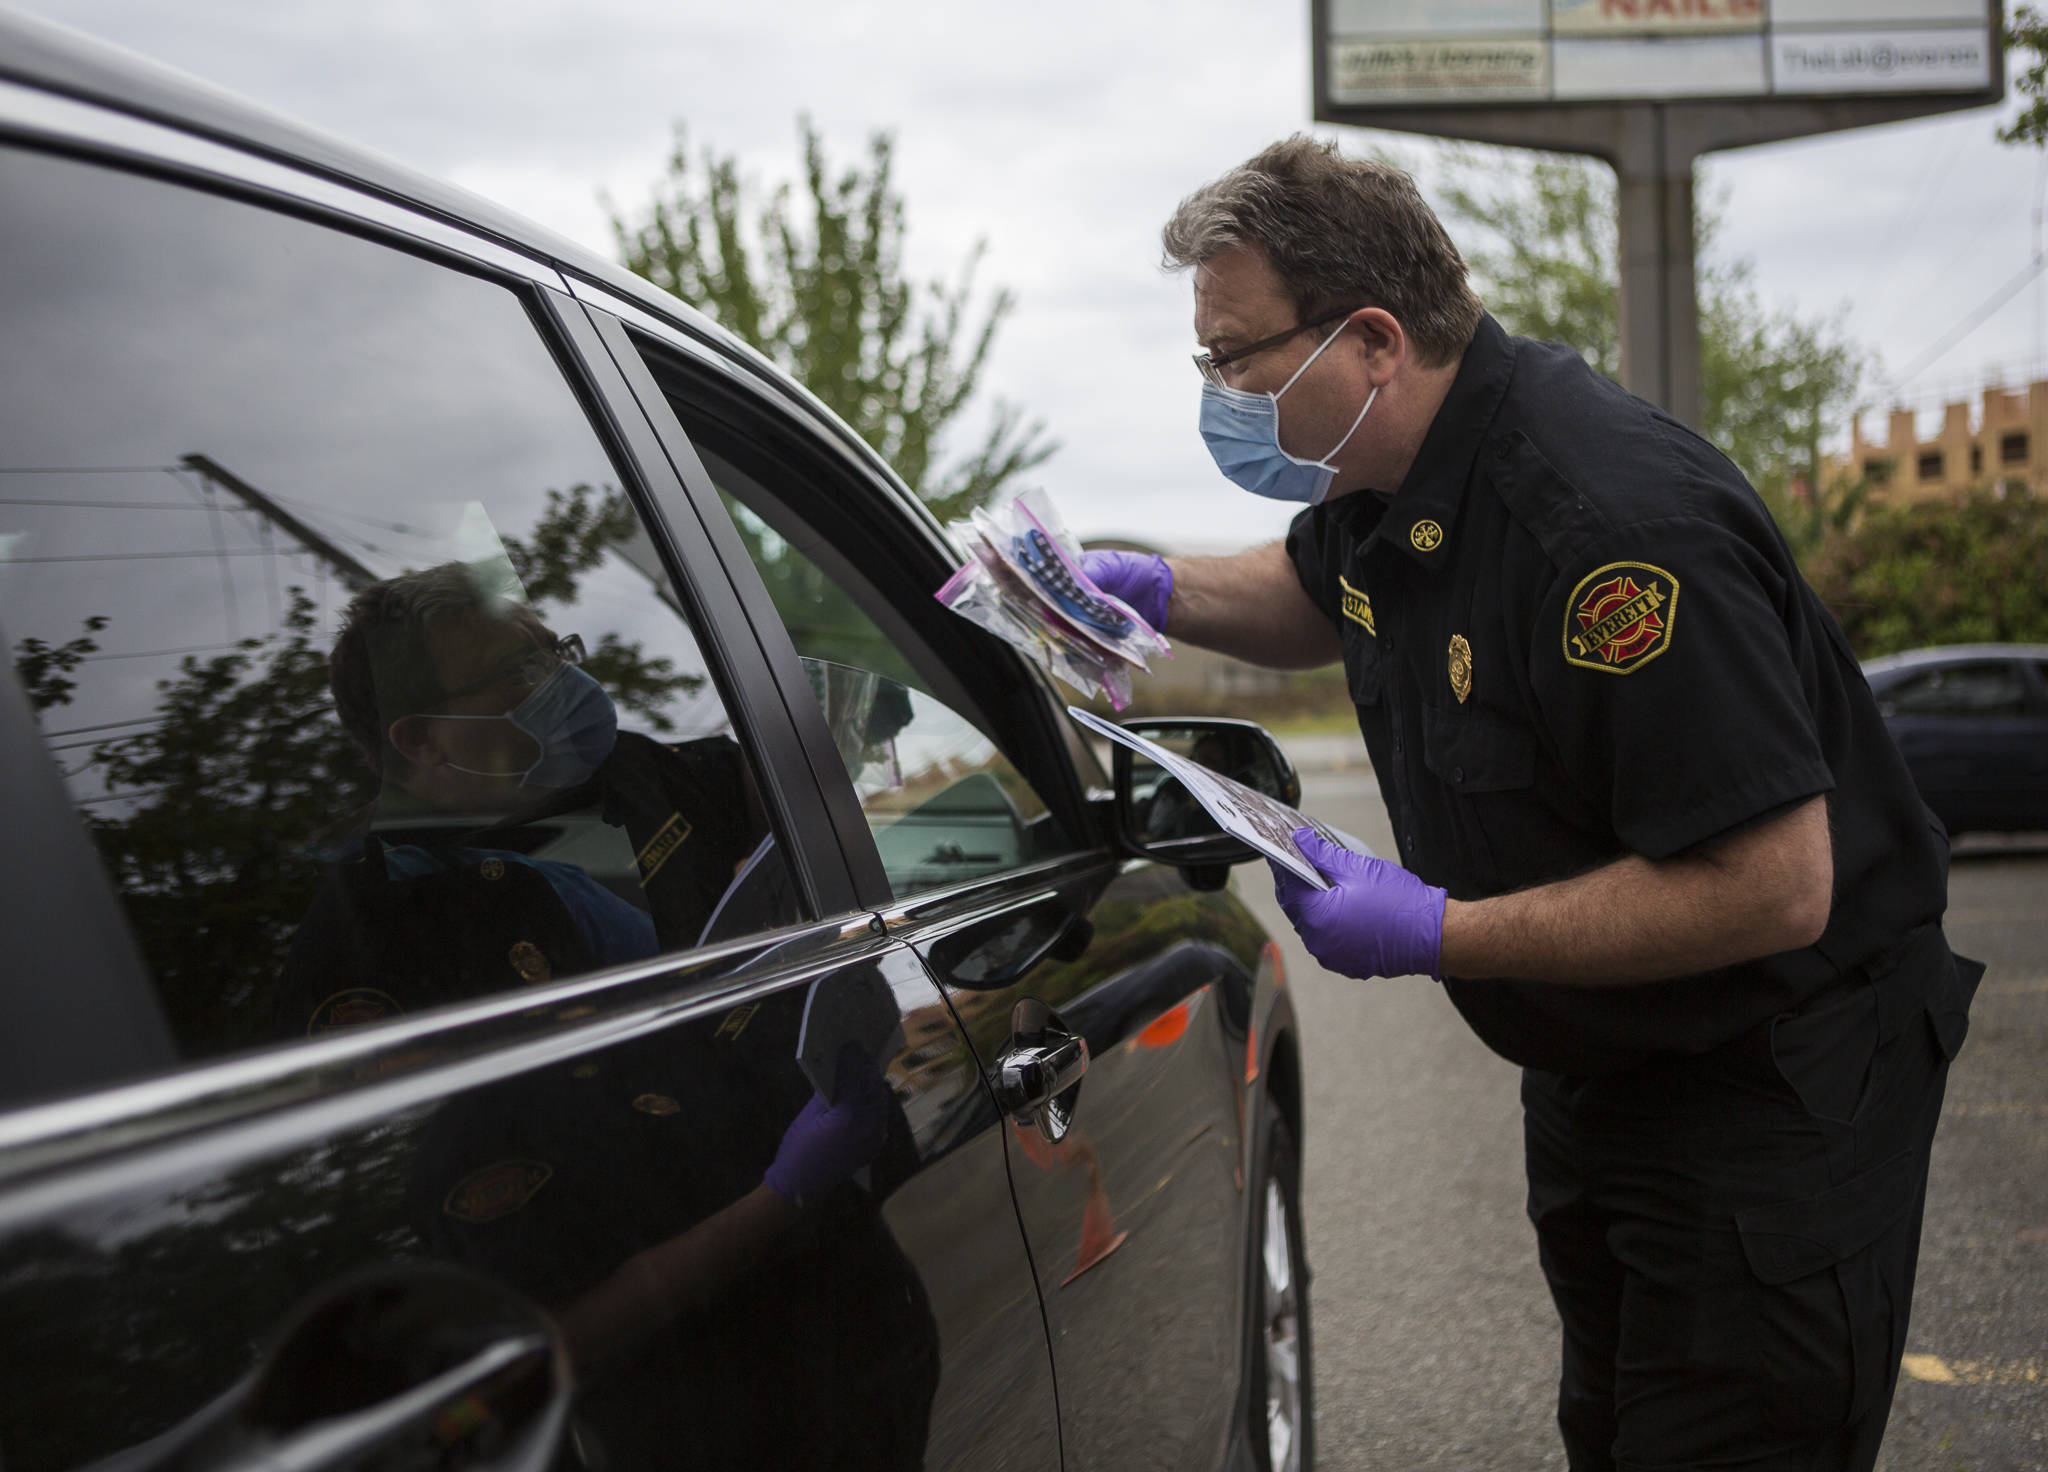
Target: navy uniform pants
[1731,1238]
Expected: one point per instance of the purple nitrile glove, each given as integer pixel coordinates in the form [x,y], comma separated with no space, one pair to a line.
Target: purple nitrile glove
[1141,579]
[829,1141]
[1377,920]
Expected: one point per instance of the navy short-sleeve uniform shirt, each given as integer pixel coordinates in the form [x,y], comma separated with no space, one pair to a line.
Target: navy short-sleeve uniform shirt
[1574,633]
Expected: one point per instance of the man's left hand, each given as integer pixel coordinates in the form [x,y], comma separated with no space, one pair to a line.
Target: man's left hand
[1377,919]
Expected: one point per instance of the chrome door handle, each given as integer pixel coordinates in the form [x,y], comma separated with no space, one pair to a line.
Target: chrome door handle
[1037,1078]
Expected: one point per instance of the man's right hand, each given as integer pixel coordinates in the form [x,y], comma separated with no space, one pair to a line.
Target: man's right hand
[1249,605]
[1140,579]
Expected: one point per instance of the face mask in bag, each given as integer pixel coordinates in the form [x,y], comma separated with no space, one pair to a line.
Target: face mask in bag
[570,719]
[1242,431]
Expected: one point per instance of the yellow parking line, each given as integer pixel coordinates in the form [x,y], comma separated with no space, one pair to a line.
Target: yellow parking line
[1935,1370]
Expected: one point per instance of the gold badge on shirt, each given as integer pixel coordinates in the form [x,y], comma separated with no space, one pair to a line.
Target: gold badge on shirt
[1460,667]
[1426,535]
[530,962]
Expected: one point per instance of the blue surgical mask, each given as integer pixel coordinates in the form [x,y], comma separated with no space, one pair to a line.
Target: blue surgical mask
[1242,430]
[572,721]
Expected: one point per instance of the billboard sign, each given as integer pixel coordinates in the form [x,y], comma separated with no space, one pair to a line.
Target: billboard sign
[1484,53]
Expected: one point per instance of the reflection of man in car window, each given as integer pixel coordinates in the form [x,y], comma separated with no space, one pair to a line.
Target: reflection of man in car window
[519,835]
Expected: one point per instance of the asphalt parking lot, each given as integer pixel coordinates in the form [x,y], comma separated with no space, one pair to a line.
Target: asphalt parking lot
[1435,1341]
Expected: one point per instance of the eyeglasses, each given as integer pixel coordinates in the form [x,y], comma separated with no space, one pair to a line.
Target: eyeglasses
[528,668]
[1211,365]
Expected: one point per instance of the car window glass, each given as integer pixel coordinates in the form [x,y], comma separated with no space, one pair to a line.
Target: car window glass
[1983,688]
[946,803]
[943,803]
[352,651]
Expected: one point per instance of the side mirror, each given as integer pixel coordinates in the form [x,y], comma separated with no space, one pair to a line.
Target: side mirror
[1157,818]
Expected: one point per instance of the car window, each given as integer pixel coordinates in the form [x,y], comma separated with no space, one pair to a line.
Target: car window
[349,644]
[943,803]
[1979,688]
[944,798]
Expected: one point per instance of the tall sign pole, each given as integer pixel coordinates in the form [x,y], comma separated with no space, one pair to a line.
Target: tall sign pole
[1660,313]
[1649,86]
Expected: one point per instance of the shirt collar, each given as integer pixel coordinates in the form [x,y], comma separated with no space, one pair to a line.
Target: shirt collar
[1423,514]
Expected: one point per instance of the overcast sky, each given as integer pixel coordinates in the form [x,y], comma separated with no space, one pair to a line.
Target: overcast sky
[1062,133]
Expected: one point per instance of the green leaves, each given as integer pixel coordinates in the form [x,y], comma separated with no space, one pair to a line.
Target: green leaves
[816,283]
[2027,35]
[1542,251]
[1939,572]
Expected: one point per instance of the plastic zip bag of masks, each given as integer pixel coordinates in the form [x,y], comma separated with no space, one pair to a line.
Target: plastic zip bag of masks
[1024,584]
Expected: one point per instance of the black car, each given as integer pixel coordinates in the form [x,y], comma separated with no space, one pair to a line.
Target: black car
[533,940]
[1972,722]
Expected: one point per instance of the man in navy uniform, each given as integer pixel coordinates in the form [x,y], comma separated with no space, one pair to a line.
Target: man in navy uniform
[1653,836]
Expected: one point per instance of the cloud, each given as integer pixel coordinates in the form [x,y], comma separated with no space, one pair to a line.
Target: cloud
[1061,134]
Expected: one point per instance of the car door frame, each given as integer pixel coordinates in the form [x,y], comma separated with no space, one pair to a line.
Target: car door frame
[1030,715]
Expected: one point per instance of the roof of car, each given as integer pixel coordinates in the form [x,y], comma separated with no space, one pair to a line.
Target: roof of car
[55,58]
[1950,653]
[58,59]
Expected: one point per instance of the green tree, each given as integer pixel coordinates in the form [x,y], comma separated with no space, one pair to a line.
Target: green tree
[2026,35]
[1939,572]
[1543,252]
[819,287]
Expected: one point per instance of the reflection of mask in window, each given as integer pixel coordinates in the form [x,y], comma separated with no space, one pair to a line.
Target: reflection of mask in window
[571,721]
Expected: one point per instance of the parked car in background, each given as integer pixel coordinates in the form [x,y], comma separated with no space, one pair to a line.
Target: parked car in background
[533,941]
[1972,722]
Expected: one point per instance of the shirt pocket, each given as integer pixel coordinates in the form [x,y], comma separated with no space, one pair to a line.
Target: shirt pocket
[1361,666]
[1473,750]
[1487,767]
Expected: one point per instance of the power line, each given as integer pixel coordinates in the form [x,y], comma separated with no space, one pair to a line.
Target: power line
[104,726]
[148,556]
[1975,320]
[101,505]
[87,469]
[160,653]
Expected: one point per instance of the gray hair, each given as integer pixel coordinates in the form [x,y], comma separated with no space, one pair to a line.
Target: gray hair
[1340,233]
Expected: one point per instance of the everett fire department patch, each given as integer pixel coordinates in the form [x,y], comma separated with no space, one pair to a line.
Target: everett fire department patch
[496,1190]
[1619,618]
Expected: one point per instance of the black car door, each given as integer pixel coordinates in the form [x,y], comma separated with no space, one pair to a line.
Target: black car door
[459,1036]
[992,862]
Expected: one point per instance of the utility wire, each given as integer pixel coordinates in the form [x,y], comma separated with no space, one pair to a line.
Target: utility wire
[1972,322]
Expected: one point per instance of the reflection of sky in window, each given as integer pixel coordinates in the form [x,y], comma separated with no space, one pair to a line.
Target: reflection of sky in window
[371,395]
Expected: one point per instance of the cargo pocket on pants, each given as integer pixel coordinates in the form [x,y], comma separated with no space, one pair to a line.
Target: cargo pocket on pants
[1830,1276]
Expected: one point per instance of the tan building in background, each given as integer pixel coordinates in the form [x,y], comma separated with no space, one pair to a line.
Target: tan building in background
[2004,447]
